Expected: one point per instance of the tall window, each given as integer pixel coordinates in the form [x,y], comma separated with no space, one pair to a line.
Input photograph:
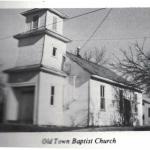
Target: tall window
[54,51]
[102,97]
[35,21]
[63,62]
[121,101]
[52,95]
[54,26]
[135,100]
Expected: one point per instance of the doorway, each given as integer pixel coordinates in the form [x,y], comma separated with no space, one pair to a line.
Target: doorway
[25,98]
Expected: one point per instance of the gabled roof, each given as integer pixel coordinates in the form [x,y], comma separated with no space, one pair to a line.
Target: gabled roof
[31,11]
[95,69]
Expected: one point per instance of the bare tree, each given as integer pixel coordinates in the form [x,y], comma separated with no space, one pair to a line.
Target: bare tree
[96,55]
[88,55]
[135,66]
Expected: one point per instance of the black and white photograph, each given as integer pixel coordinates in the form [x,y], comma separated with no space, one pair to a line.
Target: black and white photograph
[74,70]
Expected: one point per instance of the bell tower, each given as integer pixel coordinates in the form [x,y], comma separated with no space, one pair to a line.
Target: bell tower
[36,83]
[43,42]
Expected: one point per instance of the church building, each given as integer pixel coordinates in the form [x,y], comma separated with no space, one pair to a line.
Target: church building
[51,86]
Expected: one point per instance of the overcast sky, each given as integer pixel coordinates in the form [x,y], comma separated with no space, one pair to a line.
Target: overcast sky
[120,25]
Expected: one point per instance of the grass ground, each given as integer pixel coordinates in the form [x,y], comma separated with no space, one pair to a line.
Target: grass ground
[12,127]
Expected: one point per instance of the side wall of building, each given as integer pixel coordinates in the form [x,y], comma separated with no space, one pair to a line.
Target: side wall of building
[110,115]
[48,59]
[76,95]
[97,116]
[30,50]
[50,114]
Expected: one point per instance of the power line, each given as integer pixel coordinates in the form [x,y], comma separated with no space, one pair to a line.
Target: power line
[99,25]
[86,13]
[74,17]
[77,16]
[113,39]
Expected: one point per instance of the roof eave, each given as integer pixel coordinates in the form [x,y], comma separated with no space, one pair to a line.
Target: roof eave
[42,31]
[28,12]
[49,70]
[37,67]
[25,68]
[115,83]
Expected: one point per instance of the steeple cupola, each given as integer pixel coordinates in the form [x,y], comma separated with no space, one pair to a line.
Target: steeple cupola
[44,18]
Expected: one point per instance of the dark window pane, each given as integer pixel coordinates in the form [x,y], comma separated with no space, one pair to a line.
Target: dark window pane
[135,100]
[102,103]
[121,100]
[54,51]
[52,100]
[63,62]
[102,91]
[52,95]
[136,109]
[35,21]
[52,90]
[102,97]
[143,117]
[135,97]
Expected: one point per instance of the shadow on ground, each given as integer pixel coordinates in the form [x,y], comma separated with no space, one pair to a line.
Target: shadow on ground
[12,127]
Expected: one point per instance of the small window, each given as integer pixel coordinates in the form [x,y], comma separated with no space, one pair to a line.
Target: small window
[102,97]
[35,21]
[54,26]
[52,95]
[54,51]
[148,112]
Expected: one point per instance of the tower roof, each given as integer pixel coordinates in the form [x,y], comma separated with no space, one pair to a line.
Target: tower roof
[31,11]
[40,31]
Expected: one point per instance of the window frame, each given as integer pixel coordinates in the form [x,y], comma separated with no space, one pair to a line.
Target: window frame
[135,105]
[54,48]
[63,62]
[102,98]
[121,100]
[52,95]
[54,25]
[35,16]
